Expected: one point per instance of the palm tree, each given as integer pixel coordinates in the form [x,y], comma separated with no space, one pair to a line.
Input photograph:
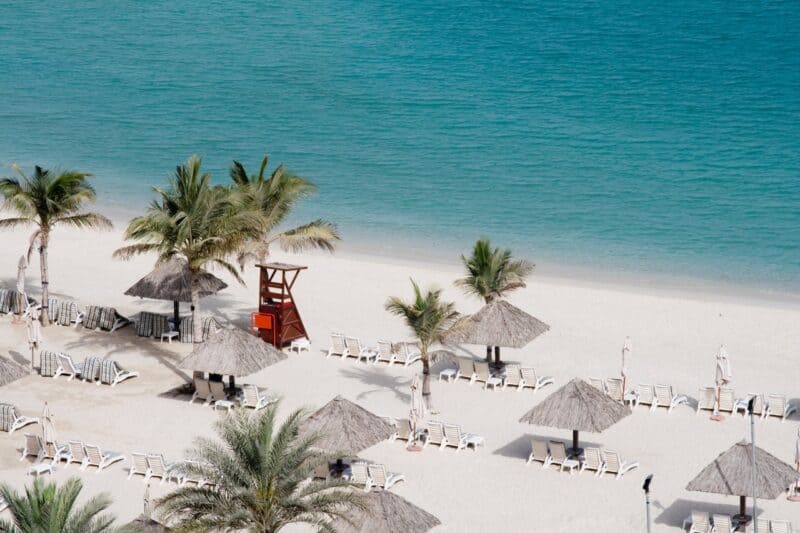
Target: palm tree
[491,273]
[274,198]
[261,480]
[195,221]
[49,199]
[47,507]
[429,318]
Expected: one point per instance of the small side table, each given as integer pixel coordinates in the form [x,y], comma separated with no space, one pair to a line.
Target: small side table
[448,374]
[169,335]
[632,398]
[40,468]
[223,404]
[299,345]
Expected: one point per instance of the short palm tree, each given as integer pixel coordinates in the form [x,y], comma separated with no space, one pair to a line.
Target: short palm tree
[195,221]
[45,507]
[429,318]
[48,199]
[491,274]
[261,476]
[275,197]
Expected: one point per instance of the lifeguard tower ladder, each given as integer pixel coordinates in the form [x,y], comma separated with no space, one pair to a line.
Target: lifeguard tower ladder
[277,320]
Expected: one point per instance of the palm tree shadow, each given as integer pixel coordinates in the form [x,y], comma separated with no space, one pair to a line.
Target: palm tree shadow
[399,385]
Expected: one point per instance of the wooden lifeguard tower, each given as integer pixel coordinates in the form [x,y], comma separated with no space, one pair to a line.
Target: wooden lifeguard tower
[277,320]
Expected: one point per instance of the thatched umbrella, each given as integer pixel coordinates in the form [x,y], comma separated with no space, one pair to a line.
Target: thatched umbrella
[344,426]
[171,281]
[231,351]
[577,406]
[497,324]
[387,513]
[11,371]
[731,474]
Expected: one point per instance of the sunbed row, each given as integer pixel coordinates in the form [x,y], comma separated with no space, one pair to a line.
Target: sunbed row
[148,324]
[652,396]
[66,313]
[773,405]
[513,375]
[74,451]
[387,352]
[92,369]
[372,475]
[211,392]
[11,419]
[703,522]
[15,302]
[153,465]
[594,459]
[436,434]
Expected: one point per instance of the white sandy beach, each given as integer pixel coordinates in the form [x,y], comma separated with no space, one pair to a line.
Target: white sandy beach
[675,338]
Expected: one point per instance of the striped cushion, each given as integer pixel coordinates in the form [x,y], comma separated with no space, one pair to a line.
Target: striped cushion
[160,325]
[48,363]
[210,326]
[91,368]
[91,320]
[52,309]
[7,416]
[108,371]
[186,329]
[5,301]
[18,302]
[108,315]
[144,326]
[67,313]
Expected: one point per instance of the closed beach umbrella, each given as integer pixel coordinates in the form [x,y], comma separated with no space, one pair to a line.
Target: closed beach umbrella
[388,513]
[48,427]
[797,451]
[344,426]
[231,351]
[577,406]
[34,328]
[22,265]
[11,371]
[731,474]
[171,281]
[627,346]
[722,375]
[498,324]
[418,410]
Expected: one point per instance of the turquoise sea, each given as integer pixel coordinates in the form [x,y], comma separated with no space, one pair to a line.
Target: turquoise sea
[650,138]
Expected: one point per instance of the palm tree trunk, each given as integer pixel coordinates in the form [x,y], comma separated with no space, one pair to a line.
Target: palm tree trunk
[197,327]
[43,242]
[426,382]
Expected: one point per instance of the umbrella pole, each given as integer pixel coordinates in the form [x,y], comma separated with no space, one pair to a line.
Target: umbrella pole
[575,439]
[489,354]
[497,356]
[176,312]
[743,508]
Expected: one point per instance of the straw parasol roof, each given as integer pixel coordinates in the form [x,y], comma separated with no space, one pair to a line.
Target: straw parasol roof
[497,324]
[731,473]
[232,351]
[170,281]
[144,524]
[346,426]
[389,513]
[11,371]
[577,406]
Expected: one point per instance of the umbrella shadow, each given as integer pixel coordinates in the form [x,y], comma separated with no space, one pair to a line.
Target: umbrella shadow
[125,341]
[680,509]
[520,448]
[19,358]
[399,385]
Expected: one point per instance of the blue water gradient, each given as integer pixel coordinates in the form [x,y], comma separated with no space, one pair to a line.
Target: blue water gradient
[642,137]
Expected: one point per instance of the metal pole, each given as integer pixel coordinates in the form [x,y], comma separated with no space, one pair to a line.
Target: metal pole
[646,488]
[751,408]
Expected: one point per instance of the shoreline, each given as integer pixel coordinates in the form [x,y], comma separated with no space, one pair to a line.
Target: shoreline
[423,254]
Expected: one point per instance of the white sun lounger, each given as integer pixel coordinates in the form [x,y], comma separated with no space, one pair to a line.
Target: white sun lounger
[403,429]
[359,475]
[698,522]
[183,474]
[666,398]
[338,346]
[139,466]
[532,380]
[378,477]
[513,377]
[539,453]
[723,523]
[781,526]
[385,353]
[98,458]
[67,367]
[11,420]
[252,397]
[707,400]
[406,355]
[645,395]
[615,465]
[593,460]
[33,447]
[157,467]
[726,400]
[777,406]
[354,347]
[598,384]
[483,375]
[435,435]
[558,456]
[614,388]
[454,438]
[763,525]
[202,391]
[466,369]
[76,453]
[113,374]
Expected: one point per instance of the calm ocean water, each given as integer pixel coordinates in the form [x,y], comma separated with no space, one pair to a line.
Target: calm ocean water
[635,137]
